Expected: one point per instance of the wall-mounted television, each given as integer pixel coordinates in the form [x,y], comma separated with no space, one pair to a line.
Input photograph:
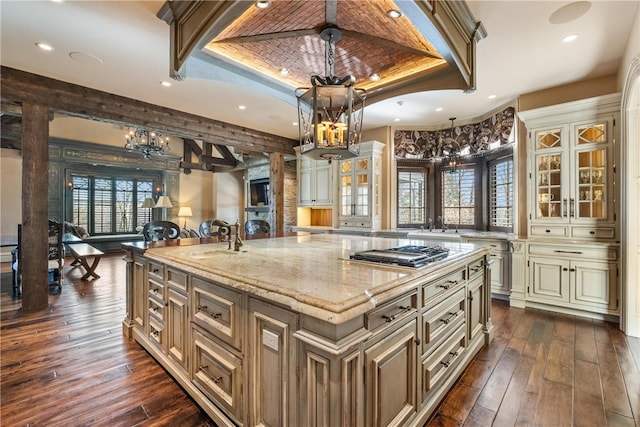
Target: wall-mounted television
[259,189]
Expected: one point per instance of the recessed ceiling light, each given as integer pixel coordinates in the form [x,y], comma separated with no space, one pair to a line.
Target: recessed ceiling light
[85,58]
[395,14]
[165,83]
[284,71]
[44,46]
[570,38]
[397,119]
[374,77]
[295,123]
[492,96]
[263,4]
[242,107]
[439,109]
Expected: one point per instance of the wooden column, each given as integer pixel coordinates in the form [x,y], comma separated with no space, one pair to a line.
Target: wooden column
[276,190]
[35,225]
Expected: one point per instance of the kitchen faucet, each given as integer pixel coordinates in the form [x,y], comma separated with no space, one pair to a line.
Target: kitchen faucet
[443,225]
[430,224]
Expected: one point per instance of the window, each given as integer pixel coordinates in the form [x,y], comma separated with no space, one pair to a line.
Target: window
[110,205]
[412,197]
[458,196]
[501,194]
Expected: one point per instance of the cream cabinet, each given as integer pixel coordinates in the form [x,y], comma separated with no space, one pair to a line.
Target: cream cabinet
[572,169]
[500,265]
[573,200]
[361,189]
[315,182]
[250,361]
[570,277]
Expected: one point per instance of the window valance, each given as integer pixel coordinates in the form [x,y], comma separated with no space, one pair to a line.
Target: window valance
[491,133]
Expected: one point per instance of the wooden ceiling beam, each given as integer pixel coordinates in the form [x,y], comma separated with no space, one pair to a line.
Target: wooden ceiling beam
[18,86]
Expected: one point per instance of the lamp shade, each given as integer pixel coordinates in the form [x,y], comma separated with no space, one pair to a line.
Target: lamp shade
[185,211]
[163,202]
[148,203]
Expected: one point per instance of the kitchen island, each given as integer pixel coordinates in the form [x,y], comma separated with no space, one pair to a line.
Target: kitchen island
[292,332]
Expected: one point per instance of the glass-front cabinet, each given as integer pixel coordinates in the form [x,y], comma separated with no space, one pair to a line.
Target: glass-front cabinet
[572,175]
[360,188]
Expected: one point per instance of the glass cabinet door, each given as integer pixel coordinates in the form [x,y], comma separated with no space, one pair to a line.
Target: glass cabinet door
[346,199]
[362,187]
[591,171]
[548,166]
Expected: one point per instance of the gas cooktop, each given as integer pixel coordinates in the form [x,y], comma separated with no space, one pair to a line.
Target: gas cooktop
[406,256]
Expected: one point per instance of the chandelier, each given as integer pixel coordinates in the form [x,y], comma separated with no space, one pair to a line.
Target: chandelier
[147,142]
[452,157]
[330,112]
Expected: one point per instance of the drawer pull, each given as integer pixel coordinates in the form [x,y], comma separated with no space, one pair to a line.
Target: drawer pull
[568,252]
[156,271]
[204,309]
[445,287]
[475,269]
[592,232]
[155,333]
[155,309]
[393,317]
[216,380]
[450,318]
[547,231]
[448,362]
[156,291]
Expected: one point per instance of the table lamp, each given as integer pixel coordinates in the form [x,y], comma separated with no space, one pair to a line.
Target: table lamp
[184,211]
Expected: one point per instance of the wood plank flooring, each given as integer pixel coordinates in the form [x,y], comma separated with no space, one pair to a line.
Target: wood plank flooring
[71,366]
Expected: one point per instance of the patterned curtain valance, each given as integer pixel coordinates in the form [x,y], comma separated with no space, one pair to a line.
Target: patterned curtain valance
[416,144]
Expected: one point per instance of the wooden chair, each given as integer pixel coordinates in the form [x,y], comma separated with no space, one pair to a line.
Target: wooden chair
[222,228]
[255,226]
[187,233]
[160,230]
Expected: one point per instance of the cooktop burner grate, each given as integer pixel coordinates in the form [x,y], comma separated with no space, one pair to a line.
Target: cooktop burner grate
[406,256]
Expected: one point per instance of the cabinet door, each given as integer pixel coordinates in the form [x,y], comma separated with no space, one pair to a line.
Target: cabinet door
[177,327]
[362,187]
[500,274]
[305,172]
[391,378]
[477,304]
[549,279]
[347,206]
[592,200]
[273,384]
[550,186]
[323,183]
[140,294]
[595,284]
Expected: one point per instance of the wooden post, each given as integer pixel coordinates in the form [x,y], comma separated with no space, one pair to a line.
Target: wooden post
[276,190]
[35,225]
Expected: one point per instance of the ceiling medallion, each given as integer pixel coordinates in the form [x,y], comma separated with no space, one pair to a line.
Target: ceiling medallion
[330,112]
[147,142]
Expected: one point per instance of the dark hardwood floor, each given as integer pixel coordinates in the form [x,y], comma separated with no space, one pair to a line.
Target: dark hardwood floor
[71,366]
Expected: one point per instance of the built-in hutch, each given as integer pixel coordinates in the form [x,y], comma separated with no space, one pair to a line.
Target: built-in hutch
[348,190]
[248,357]
[572,251]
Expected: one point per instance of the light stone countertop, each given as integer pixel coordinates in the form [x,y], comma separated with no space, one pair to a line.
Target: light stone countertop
[312,274]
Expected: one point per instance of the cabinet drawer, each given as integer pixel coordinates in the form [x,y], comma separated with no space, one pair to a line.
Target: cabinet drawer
[549,230]
[355,223]
[217,309]
[476,268]
[442,319]
[593,232]
[155,269]
[436,368]
[217,373]
[156,289]
[156,308]
[177,279]
[156,331]
[442,286]
[392,312]
[574,252]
